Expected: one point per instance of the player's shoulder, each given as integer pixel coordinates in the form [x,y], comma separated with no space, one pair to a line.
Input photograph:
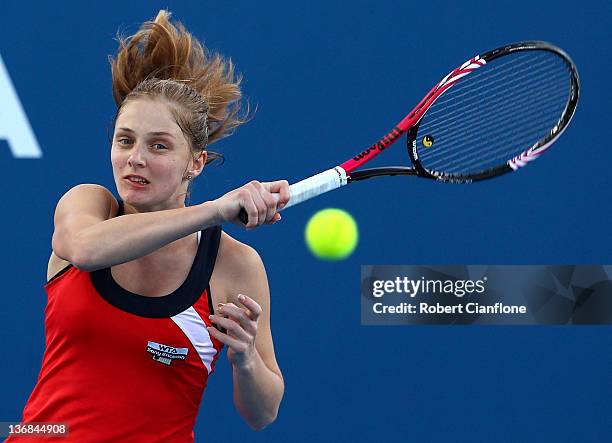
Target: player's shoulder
[239,270]
[86,195]
[236,255]
[88,188]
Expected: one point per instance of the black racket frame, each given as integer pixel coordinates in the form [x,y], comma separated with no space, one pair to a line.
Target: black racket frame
[411,136]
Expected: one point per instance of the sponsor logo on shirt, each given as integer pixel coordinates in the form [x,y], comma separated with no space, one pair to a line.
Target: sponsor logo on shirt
[165,353]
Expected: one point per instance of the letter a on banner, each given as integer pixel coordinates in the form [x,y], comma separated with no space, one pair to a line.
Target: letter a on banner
[14,125]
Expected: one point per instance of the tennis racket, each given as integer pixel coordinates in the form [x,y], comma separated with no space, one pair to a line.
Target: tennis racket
[494,114]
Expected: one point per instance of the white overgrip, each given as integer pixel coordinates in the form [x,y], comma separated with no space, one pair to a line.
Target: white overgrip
[316,185]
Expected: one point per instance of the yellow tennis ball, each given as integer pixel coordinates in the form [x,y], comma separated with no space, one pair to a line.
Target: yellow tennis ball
[331,234]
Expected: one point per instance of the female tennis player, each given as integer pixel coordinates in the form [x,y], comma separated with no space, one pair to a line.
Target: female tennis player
[143,291]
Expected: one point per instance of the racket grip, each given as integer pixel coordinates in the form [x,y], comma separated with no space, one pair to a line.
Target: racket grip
[310,187]
[242,215]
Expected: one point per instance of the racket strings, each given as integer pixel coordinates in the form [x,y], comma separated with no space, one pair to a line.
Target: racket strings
[465,160]
[498,151]
[494,151]
[486,77]
[489,124]
[498,66]
[503,87]
[522,97]
[461,113]
[507,109]
[468,152]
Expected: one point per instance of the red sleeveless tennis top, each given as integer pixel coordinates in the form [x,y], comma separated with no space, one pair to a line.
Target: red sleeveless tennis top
[120,367]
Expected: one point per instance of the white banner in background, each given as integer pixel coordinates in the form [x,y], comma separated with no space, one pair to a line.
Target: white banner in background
[14,125]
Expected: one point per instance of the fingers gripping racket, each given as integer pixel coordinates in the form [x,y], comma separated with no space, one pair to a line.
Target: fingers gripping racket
[492,115]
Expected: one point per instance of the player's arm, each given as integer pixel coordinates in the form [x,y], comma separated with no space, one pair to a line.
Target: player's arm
[89,236]
[258,381]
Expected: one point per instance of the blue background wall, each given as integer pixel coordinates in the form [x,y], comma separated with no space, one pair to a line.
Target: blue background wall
[329,78]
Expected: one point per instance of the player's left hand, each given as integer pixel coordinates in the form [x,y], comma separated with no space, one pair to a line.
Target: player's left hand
[240,324]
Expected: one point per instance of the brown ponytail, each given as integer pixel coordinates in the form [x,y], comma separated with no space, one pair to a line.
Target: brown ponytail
[164,60]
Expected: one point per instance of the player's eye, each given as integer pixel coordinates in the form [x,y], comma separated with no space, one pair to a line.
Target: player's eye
[161,146]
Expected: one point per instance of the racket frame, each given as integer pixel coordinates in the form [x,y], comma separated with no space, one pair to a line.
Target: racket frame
[347,172]
[410,123]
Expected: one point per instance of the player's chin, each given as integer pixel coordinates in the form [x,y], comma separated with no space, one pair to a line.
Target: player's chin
[137,196]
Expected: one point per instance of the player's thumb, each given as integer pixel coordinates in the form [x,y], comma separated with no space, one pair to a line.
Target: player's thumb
[275,188]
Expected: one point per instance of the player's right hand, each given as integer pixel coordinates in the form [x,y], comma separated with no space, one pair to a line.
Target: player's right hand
[260,200]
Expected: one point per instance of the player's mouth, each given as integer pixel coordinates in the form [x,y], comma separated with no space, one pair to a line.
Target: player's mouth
[136,181]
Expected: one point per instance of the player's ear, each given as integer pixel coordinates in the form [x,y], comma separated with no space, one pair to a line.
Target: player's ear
[199,162]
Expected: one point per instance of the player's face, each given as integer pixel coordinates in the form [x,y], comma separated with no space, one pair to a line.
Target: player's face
[139,148]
